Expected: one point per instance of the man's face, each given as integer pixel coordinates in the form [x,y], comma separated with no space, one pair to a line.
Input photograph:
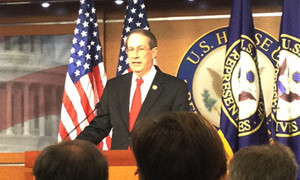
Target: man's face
[139,54]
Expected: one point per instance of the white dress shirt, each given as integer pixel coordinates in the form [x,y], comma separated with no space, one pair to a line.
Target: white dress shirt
[148,79]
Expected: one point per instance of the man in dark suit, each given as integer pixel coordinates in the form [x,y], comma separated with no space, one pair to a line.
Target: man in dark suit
[160,93]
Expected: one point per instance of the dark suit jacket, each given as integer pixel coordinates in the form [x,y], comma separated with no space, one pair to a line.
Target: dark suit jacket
[167,93]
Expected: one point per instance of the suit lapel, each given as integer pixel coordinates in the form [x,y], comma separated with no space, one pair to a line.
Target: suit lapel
[154,91]
[124,92]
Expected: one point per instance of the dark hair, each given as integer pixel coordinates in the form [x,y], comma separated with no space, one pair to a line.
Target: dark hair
[264,162]
[71,160]
[147,33]
[178,145]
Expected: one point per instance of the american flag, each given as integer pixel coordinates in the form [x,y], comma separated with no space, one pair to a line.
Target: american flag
[85,78]
[243,117]
[135,18]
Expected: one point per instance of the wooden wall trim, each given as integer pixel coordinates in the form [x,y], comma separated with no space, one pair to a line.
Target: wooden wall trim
[11,158]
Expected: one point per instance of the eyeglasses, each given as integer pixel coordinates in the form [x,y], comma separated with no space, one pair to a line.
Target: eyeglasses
[139,51]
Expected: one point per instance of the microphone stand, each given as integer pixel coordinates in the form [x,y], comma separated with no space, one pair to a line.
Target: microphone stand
[96,107]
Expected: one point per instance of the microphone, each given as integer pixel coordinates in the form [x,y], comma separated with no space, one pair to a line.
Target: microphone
[96,107]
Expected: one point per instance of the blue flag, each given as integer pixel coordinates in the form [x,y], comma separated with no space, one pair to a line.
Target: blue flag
[286,101]
[243,117]
[135,18]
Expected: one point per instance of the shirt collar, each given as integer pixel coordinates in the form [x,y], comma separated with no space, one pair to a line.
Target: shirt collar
[149,76]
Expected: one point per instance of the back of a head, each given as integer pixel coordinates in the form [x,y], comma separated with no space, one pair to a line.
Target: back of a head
[178,145]
[264,162]
[71,160]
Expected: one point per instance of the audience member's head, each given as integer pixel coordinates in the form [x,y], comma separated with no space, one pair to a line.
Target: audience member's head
[265,162]
[71,160]
[177,146]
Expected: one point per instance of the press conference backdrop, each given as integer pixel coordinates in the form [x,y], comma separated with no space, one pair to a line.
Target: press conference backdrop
[33,66]
[32,78]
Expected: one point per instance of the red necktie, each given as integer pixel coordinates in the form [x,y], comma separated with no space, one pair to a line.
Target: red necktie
[136,104]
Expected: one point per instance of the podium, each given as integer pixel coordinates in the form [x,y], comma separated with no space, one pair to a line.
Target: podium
[18,166]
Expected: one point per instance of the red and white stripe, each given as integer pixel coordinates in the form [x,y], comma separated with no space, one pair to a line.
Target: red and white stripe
[79,101]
